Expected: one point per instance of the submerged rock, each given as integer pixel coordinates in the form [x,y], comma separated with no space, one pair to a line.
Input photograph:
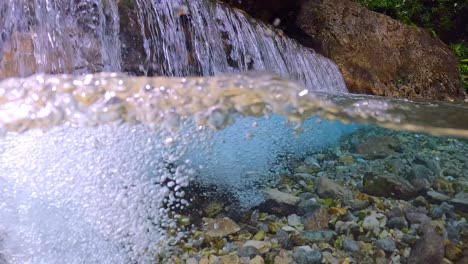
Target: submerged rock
[388,185]
[218,228]
[316,220]
[429,248]
[378,147]
[303,256]
[327,188]
[386,244]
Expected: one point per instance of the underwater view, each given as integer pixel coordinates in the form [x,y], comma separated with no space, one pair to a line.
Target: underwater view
[173,131]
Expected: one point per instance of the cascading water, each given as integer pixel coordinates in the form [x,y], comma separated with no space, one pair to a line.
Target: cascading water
[202,37]
[75,36]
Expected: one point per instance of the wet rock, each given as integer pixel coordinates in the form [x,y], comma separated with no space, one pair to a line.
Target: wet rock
[229,259]
[421,172]
[436,196]
[439,211]
[307,206]
[453,252]
[257,260]
[386,244]
[378,147]
[302,256]
[281,197]
[327,188]
[282,260]
[371,224]
[316,220]
[417,218]
[294,220]
[345,227]
[283,239]
[318,236]
[397,223]
[429,248]
[460,201]
[218,228]
[350,245]
[388,185]
[409,239]
[379,55]
[307,196]
[420,201]
[262,246]
[248,251]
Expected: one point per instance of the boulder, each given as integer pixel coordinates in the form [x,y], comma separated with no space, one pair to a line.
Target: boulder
[378,147]
[429,248]
[388,185]
[379,55]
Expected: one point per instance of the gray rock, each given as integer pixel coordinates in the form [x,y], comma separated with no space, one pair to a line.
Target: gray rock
[397,223]
[307,196]
[417,218]
[421,172]
[388,185]
[460,201]
[420,201]
[318,236]
[302,256]
[283,239]
[248,251]
[307,206]
[386,244]
[350,245]
[437,196]
[378,147]
[429,248]
[409,239]
[327,188]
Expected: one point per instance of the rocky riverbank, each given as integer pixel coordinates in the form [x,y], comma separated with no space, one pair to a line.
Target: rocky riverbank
[378,197]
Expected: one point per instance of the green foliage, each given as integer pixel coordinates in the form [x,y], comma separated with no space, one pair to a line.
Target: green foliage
[461,50]
[445,19]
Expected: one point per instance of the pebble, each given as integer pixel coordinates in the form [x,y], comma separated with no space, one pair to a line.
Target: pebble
[294,220]
[350,245]
[217,228]
[417,218]
[318,236]
[316,220]
[397,223]
[307,206]
[248,251]
[302,256]
[429,248]
[262,246]
[386,244]
[327,188]
[257,260]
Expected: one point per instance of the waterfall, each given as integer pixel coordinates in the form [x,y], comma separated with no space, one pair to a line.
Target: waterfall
[58,36]
[170,38]
[203,37]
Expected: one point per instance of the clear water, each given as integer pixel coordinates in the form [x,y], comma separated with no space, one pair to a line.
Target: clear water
[94,167]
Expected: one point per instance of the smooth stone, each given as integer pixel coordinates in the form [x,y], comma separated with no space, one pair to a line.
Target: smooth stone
[385,184]
[248,251]
[397,223]
[191,261]
[420,201]
[417,218]
[327,188]
[437,196]
[282,260]
[289,229]
[307,196]
[350,245]
[371,224]
[460,201]
[262,246]
[257,260]
[386,244]
[409,239]
[378,147]
[218,228]
[307,206]
[316,220]
[281,197]
[230,259]
[318,236]
[294,220]
[429,248]
[302,256]
[283,239]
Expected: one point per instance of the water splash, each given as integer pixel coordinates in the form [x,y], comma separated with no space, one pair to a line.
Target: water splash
[58,37]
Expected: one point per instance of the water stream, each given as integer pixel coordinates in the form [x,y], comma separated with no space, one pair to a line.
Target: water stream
[94,167]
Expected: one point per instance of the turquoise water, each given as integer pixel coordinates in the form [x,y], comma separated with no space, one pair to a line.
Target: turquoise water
[101,167]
